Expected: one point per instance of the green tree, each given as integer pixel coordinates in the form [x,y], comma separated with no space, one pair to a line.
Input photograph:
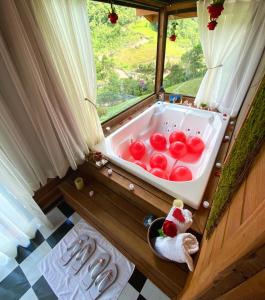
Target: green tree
[193,62]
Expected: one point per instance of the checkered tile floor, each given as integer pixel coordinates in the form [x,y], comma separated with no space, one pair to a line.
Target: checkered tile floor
[21,279]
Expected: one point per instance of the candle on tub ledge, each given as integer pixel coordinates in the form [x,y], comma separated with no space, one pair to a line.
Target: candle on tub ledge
[79,183]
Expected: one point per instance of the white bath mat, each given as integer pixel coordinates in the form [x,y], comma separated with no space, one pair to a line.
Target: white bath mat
[66,286]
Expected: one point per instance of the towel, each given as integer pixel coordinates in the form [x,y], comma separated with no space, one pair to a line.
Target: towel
[178,249]
[181,217]
[65,285]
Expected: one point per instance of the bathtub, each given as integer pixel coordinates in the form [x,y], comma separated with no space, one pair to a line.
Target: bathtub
[165,118]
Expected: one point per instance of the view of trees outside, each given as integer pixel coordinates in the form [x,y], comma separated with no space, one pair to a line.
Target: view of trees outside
[125,57]
[184,62]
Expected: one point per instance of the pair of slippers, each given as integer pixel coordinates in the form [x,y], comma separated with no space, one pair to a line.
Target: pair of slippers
[95,280]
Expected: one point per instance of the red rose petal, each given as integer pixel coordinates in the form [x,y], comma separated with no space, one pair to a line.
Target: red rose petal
[177,213]
[170,228]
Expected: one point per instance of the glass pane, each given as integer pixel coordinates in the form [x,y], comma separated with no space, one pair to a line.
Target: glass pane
[125,56]
[184,61]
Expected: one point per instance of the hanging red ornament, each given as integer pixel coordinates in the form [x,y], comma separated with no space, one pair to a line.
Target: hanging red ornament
[211,25]
[112,16]
[215,10]
[173,36]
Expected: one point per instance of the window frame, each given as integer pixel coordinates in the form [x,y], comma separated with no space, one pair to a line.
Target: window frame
[164,12]
[146,100]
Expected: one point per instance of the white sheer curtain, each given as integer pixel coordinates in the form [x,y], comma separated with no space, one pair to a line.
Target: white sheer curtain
[65,28]
[45,125]
[20,216]
[232,52]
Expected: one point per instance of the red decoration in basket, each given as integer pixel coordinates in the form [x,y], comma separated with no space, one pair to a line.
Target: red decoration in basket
[177,136]
[195,144]
[140,164]
[177,149]
[137,149]
[159,173]
[158,141]
[158,160]
[170,228]
[178,215]
[180,173]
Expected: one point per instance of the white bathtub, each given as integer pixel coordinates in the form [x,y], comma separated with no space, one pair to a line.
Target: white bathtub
[165,118]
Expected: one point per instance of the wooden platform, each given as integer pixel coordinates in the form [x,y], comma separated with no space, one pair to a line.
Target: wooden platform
[121,222]
[145,196]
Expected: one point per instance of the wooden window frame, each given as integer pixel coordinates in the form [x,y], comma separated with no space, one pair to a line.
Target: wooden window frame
[183,10]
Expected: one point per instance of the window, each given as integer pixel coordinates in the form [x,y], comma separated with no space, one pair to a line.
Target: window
[184,62]
[125,57]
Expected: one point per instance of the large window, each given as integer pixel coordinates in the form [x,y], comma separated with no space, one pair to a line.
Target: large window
[125,56]
[184,63]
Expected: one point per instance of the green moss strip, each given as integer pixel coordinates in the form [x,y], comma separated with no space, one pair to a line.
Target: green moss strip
[249,141]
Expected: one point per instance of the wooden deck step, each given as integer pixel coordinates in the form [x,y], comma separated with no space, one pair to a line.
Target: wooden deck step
[145,196]
[121,223]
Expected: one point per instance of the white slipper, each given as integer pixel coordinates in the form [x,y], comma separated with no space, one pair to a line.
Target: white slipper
[73,249]
[103,281]
[82,256]
[94,269]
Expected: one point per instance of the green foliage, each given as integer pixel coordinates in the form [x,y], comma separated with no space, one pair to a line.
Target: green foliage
[125,57]
[193,62]
[189,87]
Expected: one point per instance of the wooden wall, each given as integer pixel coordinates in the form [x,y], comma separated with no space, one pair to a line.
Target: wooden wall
[236,249]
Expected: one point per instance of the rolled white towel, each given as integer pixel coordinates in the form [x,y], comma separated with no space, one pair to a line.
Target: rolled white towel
[179,248]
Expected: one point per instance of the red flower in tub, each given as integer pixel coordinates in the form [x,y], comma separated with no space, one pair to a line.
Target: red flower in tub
[195,144]
[159,173]
[180,173]
[177,149]
[158,160]
[177,136]
[137,149]
[158,141]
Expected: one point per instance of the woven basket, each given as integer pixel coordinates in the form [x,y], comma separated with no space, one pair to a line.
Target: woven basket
[153,233]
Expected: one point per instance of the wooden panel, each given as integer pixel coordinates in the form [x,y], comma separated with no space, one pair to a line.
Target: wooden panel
[144,12]
[231,259]
[119,184]
[48,195]
[182,5]
[235,212]
[255,187]
[162,36]
[253,288]
[219,237]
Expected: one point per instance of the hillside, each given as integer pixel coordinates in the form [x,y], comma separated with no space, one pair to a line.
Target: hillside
[125,56]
